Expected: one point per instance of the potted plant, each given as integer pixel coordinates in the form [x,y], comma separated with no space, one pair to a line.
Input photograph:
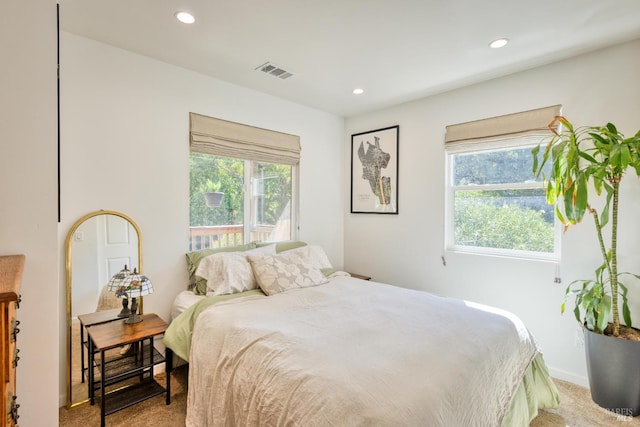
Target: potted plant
[212,193]
[584,168]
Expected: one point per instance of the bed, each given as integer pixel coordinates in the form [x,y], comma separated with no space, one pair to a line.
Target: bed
[349,352]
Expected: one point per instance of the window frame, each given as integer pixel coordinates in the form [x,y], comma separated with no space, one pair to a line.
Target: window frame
[249,214]
[516,142]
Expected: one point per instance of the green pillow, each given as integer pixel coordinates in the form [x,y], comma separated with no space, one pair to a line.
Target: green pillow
[328,271]
[283,246]
[193,260]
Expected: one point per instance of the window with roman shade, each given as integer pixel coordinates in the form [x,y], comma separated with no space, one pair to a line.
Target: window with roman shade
[243,183]
[495,205]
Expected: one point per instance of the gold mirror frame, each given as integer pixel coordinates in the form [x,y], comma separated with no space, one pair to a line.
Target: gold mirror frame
[68,241]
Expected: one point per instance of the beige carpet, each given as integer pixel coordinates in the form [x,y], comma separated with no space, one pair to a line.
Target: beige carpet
[153,412]
[576,410]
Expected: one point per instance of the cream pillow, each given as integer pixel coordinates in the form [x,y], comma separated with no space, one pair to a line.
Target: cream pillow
[287,270]
[315,254]
[230,272]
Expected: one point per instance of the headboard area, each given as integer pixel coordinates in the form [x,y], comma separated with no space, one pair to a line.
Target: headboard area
[199,284]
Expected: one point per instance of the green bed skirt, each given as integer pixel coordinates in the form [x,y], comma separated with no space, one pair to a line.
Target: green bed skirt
[536,391]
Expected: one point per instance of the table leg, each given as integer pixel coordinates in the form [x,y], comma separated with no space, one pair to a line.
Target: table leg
[102,387]
[140,345]
[168,369]
[90,372]
[82,352]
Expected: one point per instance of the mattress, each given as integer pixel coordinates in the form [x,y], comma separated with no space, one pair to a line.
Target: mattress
[183,301]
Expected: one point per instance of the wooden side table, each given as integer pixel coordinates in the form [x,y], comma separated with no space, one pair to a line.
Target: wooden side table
[360,276]
[88,320]
[137,363]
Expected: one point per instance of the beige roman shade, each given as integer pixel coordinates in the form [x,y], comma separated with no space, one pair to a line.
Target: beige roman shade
[223,138]
[532,122]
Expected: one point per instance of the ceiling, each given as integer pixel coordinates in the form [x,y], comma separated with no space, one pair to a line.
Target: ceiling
[396,51]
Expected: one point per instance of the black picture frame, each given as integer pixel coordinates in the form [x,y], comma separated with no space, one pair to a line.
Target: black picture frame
[374,171]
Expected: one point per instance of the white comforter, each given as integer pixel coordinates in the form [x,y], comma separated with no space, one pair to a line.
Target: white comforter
[354,353]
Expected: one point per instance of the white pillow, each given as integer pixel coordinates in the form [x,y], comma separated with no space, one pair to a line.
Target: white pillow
[287,270]
[230,272]
[314,253]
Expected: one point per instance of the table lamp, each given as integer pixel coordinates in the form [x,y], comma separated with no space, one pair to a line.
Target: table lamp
[134,286]
[114,285]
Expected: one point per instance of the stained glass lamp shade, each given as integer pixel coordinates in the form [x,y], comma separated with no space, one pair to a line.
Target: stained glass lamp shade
[114,285]
[134,286]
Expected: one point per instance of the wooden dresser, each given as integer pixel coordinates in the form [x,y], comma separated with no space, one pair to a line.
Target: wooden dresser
[10,278]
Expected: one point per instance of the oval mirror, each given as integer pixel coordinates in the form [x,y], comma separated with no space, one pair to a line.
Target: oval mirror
[98,246]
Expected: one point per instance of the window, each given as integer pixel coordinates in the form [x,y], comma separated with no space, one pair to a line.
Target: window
[494,203]
[240,193]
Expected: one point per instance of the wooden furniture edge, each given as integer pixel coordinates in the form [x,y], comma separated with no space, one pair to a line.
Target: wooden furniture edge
[11,268]
[360,276]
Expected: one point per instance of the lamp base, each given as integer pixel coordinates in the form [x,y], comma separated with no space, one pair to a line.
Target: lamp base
[133,319]
[125,312]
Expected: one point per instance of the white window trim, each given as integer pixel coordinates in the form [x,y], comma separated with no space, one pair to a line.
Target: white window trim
[248,206]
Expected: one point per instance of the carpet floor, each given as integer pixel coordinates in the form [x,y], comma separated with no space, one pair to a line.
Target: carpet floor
[576,410]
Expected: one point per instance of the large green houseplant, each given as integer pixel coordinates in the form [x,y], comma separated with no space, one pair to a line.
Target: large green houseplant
[582,169]
[585,160]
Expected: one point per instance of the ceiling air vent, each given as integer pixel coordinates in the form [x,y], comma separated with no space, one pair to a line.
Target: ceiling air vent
[274,70]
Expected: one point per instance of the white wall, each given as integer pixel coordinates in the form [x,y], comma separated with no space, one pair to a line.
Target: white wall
[407,249]
[125,147]
[28,201]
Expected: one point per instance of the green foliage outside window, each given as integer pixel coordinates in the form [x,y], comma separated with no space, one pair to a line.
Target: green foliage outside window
[493,167]
[484,223]
[274,192]
[271,191]
[228,174]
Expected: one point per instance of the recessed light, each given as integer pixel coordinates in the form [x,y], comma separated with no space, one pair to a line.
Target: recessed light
[358,91]
[498,43]
[185,17]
